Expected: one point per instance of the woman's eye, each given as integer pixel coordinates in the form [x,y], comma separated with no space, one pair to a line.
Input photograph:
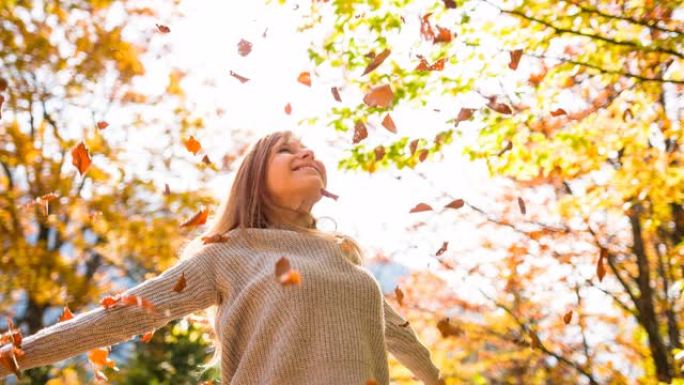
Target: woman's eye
[284,148]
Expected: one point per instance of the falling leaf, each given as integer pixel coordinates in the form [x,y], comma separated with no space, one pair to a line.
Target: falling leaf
[304,78]
[163,29]
[381,96]
[66,314]
[421,207]
[425,66]
[379,152]
[400,295]
[498,107]
[12,335]
[425,27]
[521,205]
[456,204]
[192,145]
[444,35]
[284,274]
[244,47]
[147,337]
[442,249]
[377,60]
[205,160]
[100,356]
[600,268]
[423,155]
[336,94]
[110,302]
[102,125]
[515,58]
[388,123]
[450,4]
[167,190]
[2,100]
[80,158]
[3,84]
[215,238]
[567,317]
[328,194]
[360,132]
[180,284]
[241,78]
[558,112]
[288,109]
[447,329]
[413,146]
[198,219]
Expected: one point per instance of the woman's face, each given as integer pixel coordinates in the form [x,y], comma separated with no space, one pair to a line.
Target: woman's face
[294,177]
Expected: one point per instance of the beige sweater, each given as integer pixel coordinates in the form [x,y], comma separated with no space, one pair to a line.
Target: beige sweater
[334,328]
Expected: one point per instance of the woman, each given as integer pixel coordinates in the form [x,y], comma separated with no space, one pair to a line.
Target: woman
[333,327]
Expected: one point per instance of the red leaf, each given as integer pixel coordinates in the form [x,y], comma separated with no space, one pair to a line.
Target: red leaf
[425,66]
[515,58]
[66,315]
[163,29]
[381,96]
[244,47]
[242,79]
[336,94]
[388,123]
[360,132]
[180,284]
[450,4]
[147,337]
[102,125]
[421,207]
[205,160]
[447,329]
[455,204]
[444,35]
[423,155]
[304,78]
[413,146]
[376,61]
[80,158]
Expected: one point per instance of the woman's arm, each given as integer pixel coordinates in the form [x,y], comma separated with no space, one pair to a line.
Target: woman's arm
[403,343]
[101,327]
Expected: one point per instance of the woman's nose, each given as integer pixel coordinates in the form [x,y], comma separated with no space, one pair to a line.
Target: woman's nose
[307,153]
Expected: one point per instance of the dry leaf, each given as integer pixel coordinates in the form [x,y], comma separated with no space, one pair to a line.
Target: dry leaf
[241,78]
[499,107]
[379,152]
[400,295]
[284,274]
[336,94]
[205,160]
[558,112]
[66,314]
[425,27]
[180,284]
[455,204]
[192,145]
[163,29]
[360,132]
[421,207]
[447,329]
[288,109]
[328,194]
[413,146]
[388,123]
[102,125]
[600,267]
[167,190]
[515,58]
[442,249]
[216,238]
[198,219]
[244,47]
[381,96]
[423,155]
[567,317]
[521,205]
[80,158]
[377,60]
[464,114]
[304,78]
[444,35]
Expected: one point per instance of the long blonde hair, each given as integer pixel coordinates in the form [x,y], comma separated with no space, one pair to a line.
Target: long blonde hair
[248,205]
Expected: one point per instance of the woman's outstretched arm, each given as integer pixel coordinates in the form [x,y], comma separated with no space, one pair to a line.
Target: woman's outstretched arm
[403,343]
[101,327]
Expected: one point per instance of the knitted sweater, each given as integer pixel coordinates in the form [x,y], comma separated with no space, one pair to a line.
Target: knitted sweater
[334,328]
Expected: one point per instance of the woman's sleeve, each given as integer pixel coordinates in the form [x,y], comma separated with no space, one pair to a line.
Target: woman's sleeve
[402,342]
[101,327]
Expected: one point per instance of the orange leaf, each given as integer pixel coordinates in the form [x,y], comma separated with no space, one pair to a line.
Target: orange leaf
[425,27]
[304,78]
[456,204]
[442,249]
[400,295]
[288,109]
[80,158]
[336,94]
[379,152]
[388,123]
[425,66]
[413,146]
[244,47]
[241,78]
[464,114]
[423,155]
[376,61]
[381,96]
[558,112]
[163,29]
[600,268]
[147,337]
[66,315]
[567,317]
[180,284]
[421,207]
[521,205]
[198,219]
[360,132]
[8,358]
[102,125]
[284,274]
[192,145]
[216,238]
[109,301]
[447,329]
[444,35]
[515,59]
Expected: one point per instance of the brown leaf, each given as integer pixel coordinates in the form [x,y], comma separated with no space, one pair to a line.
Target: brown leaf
[163,29]
[371,381]
[388,123]
[192,145]
[400,295]
[167,190]
[499,107]
[521,205]
[80,158]
[336,94]
[288,109]
[442,249]
[464,114]
[360,132]
[536,343]
[381,96]
[180,284]
[423,155]
[600,268]
[558,112]
[66,314]
[328,194]
[455,204]
[205,160]
[413,146]
[242,79]
[377,60]
[379,152]
[421,207]
[198,219]
[244,47]
[515,58]
[425,66]
[567,317]
[450,4]
[3,84]
[2,100]
[304,78]
[447,329]
[215,238]
[102,125]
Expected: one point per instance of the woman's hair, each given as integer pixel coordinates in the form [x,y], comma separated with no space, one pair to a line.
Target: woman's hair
[248,205]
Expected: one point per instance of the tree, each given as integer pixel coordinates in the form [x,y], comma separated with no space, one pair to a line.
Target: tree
[579,99]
